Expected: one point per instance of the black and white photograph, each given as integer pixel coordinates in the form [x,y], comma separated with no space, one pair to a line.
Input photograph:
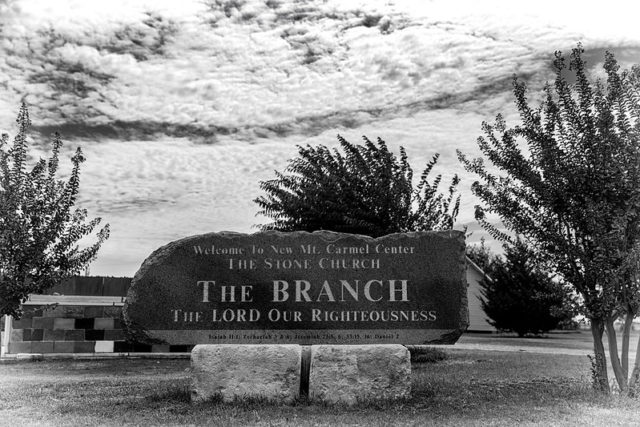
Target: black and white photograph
[319,213]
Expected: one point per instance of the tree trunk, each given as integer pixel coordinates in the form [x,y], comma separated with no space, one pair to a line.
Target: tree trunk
[621,378]
[600,376]
[635,375]
[626,337]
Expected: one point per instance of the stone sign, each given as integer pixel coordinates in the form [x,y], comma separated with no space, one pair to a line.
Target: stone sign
[301,288]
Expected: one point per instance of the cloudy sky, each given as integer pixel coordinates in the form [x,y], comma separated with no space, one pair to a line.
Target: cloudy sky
[182,107]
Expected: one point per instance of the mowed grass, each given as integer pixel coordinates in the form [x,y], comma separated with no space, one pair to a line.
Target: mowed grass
[467,388]
[573,340]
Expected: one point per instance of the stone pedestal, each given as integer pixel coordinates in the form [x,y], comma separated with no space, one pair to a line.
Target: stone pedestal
[240,371]
[351,373]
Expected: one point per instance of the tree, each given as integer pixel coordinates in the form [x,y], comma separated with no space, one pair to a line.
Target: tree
[522,298]
[481,255]
[517,294]
[568,182]
[630,271]
[365,190]
[39,230]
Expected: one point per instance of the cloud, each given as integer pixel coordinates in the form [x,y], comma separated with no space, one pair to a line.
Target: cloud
[230,67]
[183,107]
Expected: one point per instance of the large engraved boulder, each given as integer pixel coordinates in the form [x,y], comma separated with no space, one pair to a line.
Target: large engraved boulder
[301,288]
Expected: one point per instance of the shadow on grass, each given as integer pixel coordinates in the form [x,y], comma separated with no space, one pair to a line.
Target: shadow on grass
[425,354]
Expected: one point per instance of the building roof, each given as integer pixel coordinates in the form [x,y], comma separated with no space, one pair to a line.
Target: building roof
[477,268]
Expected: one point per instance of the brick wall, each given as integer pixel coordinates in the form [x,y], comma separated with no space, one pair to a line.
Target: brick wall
[75,329]
[68,329]
[81,315]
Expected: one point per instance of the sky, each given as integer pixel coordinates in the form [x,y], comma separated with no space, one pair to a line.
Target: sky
[182,108]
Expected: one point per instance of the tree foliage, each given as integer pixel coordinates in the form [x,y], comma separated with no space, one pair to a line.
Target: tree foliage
[518,296]
[481,255]
[568,182]
[365,189]
[39,229]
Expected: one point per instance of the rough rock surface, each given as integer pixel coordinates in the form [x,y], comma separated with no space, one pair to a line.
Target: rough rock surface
[236,371]
[301,288]
[352,373]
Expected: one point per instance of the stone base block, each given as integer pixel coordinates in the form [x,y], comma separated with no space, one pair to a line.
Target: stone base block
[352,373]
[238,371]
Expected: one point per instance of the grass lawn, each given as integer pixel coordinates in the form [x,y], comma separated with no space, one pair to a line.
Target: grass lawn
[573,340]
[469,387]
